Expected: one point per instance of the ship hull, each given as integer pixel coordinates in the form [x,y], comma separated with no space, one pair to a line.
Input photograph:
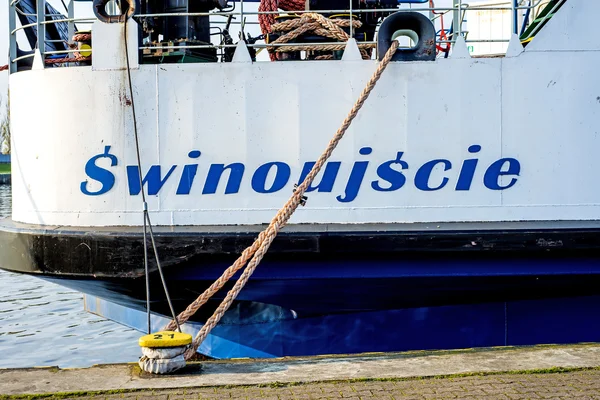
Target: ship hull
[502,323]
[384,289]
[459,209]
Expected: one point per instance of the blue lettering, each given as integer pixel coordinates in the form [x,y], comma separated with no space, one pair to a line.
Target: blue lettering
[424,173]
[329,175]
[236,171]
[465,178]
[494,171]
[274,176]
[152,178]
[282,175]
[104,176]
[356,177]
[396,179]
[188,174]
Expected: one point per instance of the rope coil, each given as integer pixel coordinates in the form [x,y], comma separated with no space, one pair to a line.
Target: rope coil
[255,253]
[318,24]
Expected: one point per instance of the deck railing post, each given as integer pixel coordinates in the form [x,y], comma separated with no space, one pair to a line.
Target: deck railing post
[41,27]
[12,37]
[458,18]
[242,22]
[351,16]
[515,16]
[71,16]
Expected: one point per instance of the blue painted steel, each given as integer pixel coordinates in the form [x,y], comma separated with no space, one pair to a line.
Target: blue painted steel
[525,20]
[562,320]
[354,304]
[403,266]
[4,158]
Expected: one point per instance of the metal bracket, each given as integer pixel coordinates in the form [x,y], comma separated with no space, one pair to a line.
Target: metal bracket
[304,199]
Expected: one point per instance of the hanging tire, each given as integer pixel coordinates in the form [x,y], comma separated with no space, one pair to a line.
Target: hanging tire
[404,23]
[127,10]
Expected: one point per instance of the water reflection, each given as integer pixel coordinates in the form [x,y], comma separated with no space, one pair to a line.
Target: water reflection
[44,324]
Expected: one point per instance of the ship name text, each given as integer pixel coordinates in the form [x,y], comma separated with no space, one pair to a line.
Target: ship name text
[274,176]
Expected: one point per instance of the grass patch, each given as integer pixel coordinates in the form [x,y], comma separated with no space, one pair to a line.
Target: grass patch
[4,168]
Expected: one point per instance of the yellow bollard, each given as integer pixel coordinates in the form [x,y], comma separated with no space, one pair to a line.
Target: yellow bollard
[163,352]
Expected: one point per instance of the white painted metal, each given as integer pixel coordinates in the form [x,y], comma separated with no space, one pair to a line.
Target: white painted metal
[109,45]
[540,108]
[570,29]
[38,60]
[351,51]
[514,46]
[241,53]
[459,49]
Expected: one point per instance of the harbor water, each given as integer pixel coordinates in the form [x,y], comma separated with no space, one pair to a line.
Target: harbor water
[43,324]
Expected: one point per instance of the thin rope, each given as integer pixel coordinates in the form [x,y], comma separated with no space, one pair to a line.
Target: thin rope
[147,275]
[160,273]
[259,248]
[145,204]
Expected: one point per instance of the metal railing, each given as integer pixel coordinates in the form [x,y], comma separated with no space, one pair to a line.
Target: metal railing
[240,14]
[42,19]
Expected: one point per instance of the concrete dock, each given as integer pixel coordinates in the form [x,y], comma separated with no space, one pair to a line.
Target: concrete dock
[527,372]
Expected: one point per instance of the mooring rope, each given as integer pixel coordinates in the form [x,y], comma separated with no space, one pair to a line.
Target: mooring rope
[57,61]
[313,22]
[266,20]
[255,253]
[148,226]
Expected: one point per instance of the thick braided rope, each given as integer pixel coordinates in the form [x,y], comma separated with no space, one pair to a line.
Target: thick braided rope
[68,60]
[292,5]
[266,20]
[321,26]
[324,47]
[332,27]
[303,25]
[266,237]
[296,32]
[57,61]
[82,37]
[298,22]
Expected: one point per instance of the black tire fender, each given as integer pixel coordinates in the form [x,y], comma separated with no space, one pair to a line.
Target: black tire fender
[424,50]
[127,10]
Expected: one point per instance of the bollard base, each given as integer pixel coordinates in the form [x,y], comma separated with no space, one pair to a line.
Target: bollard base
[162,365]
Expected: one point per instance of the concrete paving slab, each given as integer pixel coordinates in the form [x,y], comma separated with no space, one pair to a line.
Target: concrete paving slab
[300,370]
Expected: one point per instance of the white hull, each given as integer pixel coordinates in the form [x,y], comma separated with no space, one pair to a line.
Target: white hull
[534,116]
